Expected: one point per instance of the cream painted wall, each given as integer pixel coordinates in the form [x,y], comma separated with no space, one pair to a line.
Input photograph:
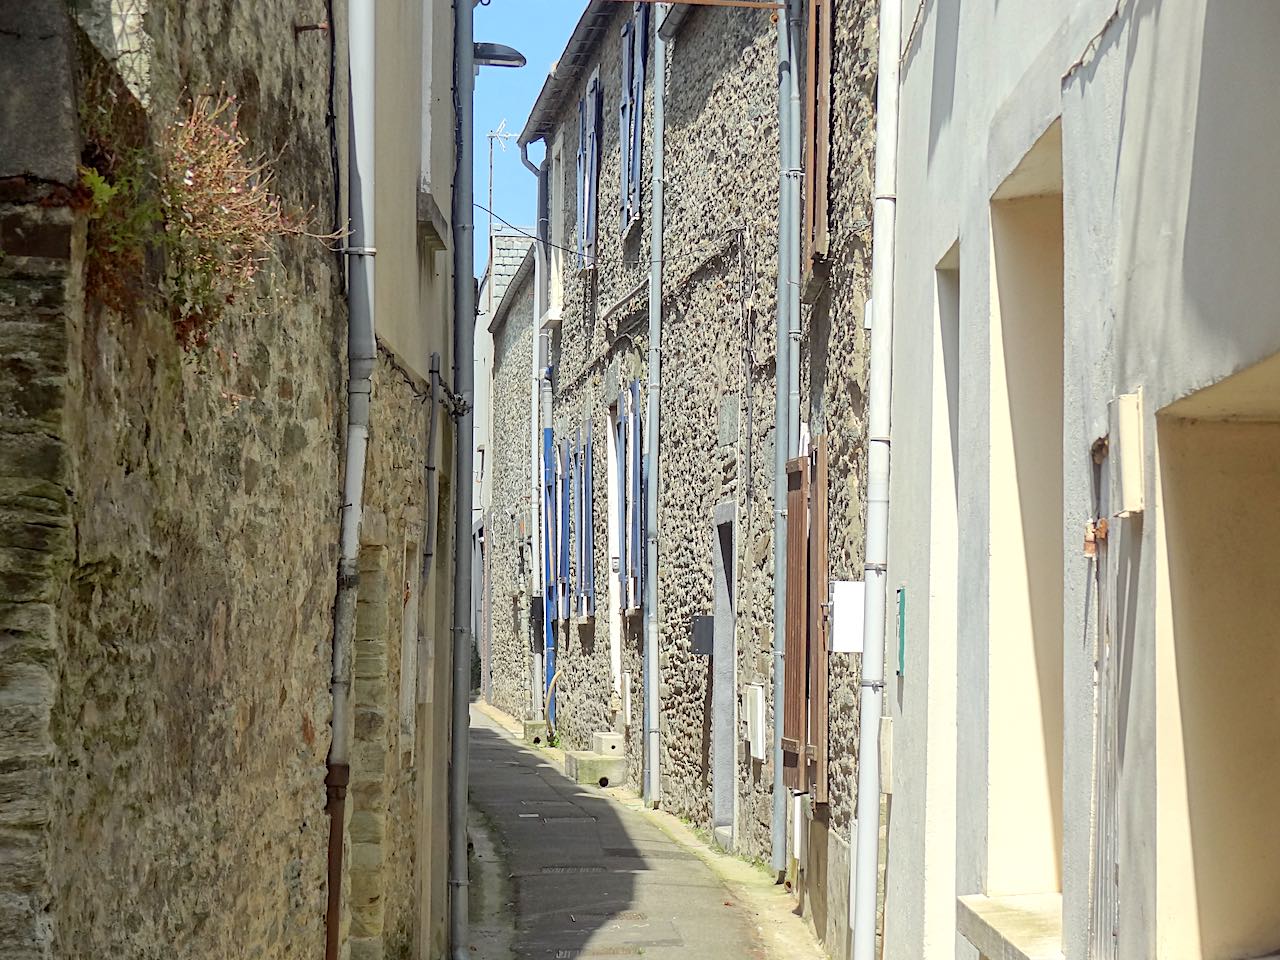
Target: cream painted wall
[412,287]
[1171,220]
[1024,746]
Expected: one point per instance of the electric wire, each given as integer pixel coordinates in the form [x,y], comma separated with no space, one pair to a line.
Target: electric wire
[624,261]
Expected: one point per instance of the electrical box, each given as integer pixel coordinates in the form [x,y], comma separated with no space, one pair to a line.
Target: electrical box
[753,713]
[848,604]
[702,635]
[1127,452]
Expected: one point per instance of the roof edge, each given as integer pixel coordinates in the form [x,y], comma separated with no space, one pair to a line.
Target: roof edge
[508,300]
[567,69]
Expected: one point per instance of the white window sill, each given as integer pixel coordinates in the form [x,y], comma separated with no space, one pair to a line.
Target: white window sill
[1025,927]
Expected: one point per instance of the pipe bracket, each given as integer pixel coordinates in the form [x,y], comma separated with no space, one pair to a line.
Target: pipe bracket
[360,251]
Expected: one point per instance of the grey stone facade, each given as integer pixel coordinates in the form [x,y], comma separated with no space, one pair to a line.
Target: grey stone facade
[511,629]
[718,382]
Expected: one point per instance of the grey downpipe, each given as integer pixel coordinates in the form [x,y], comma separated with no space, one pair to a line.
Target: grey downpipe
[652,771]
[429,534]
[362,352]
[787,120]
[536,700]
[866,870]
[464,319]
[793,175]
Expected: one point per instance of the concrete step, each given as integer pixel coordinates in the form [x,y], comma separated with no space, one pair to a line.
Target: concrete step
[607,744]
[535,732]
[586,766]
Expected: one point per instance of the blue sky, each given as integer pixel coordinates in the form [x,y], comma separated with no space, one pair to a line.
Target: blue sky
[539,29]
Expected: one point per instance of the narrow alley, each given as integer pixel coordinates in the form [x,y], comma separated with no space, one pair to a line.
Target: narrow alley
[586,872]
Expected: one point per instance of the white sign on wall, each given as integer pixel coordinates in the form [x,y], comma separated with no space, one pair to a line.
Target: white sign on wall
[848,600]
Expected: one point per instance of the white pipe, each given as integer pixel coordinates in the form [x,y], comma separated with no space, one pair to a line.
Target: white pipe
[362,352]
[782,444]
[464,322]
[864,877]
[652,772]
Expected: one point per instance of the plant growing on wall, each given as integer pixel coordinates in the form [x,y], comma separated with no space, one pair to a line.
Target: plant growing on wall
[200,197]
[220,216]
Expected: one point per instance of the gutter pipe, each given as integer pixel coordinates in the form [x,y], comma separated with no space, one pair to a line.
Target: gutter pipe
[784,411]
[464,318]
[652,772]
[362,352]
[864,877]
[793,174]
[536,561]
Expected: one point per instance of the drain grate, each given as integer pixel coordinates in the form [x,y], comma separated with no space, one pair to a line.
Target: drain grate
[599,952]
[572,868]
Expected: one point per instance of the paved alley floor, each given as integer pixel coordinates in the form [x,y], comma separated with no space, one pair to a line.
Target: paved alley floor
[588,877]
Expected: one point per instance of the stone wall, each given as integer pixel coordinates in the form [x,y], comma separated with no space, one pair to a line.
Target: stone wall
[718,389]
[168,527]
[507,524]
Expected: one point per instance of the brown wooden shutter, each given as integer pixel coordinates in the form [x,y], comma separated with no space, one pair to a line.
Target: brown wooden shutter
[817,159]
[795,694]
[819,624]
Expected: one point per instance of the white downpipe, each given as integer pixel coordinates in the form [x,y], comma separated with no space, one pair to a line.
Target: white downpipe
[864,877]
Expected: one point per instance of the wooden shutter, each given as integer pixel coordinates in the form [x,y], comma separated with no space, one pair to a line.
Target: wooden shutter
[588,530]
[795,694]
[625,106]
[595,106]
[640,40]
[817,160]
[819,626]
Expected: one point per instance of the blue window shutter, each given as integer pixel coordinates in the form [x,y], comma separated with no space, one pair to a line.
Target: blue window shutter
[620,470]
[549,518]
[637,499]
[625,108]
[575,530]
[581,198]
[565,522]
[595,105]
[635,135]
[588,530]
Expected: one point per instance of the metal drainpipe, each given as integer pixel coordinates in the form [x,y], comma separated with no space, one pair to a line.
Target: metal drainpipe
[362,352]
[865,876]
[793,175]
[788,230]
[464,318]
[536,560]
[653,777]
[548,496]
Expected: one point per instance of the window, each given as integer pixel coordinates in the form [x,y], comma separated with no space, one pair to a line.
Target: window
[635,44]
[589,108]
[817,147]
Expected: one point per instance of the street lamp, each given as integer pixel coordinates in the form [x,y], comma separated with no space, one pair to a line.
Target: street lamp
[498,55]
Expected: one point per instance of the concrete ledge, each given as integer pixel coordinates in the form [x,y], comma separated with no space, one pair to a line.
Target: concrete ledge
[1013,928]
[535,732]
[583,766]
[607,744]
